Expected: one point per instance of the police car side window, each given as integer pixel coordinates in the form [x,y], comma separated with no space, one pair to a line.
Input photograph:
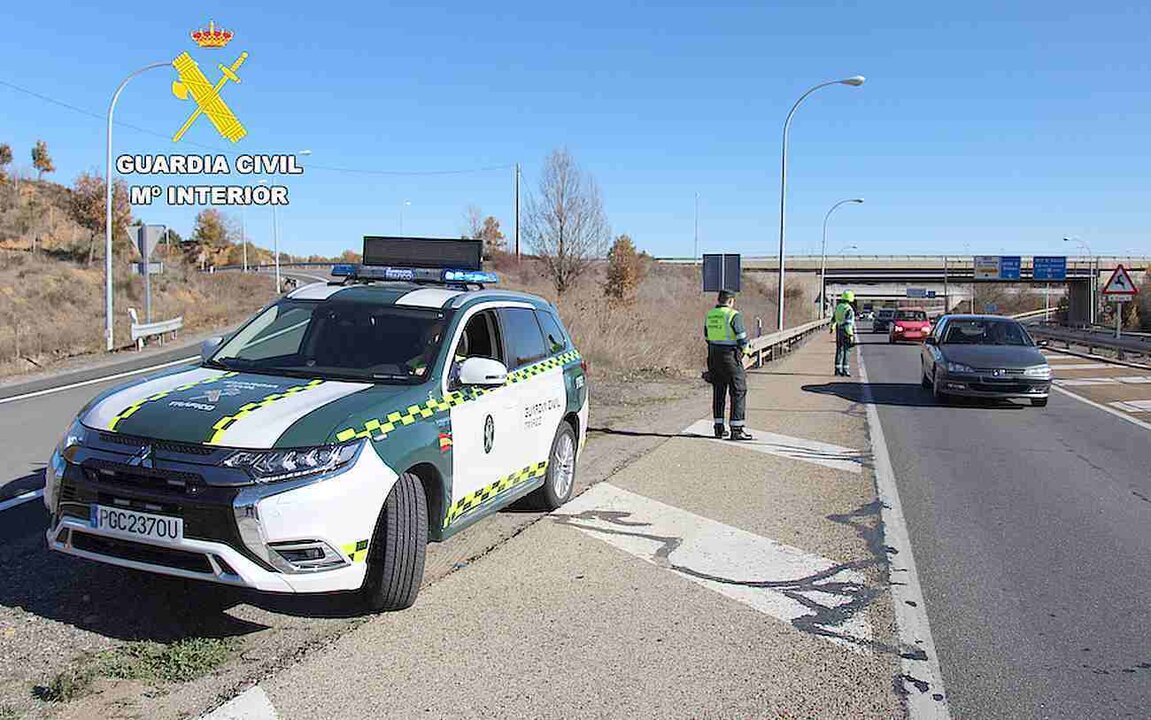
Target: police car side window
[480,338]
[523,338]
[555,338]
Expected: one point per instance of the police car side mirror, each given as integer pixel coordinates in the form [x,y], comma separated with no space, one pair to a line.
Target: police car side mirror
[929,340]
[208,347]
[484,372]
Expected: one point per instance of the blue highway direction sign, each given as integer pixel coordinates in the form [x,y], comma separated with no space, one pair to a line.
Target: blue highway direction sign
[1049,267]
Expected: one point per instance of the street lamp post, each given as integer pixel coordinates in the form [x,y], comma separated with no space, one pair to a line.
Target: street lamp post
[695,245]
[823,257]
[1093,268]
[276,233]
[403,205]
[108,323]
[854,81]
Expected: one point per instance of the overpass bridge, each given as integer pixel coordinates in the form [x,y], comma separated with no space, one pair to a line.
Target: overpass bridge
[950,278]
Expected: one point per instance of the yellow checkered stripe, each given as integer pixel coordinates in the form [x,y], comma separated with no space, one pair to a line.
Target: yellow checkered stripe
[131,409]
[541,367]
[225,422]
[378,429]
[473,500]
[357,551]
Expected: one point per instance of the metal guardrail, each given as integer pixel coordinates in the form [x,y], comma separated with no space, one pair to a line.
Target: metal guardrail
[142,331]
[777,344]
[1124,348]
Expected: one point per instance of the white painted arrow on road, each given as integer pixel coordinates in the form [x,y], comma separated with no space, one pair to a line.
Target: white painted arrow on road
[813,593]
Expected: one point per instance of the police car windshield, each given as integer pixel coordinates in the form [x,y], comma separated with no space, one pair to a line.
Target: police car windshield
[337,340]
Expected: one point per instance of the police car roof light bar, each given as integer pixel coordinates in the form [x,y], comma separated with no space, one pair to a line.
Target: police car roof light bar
[448,276]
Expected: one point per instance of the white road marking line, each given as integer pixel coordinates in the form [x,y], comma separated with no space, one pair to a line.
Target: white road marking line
[1081,366]
[922,676]
[811,451]
[1104,408]
[252,704]
[21,499]
[1118,380]
[771,577]
[1135,406]
[94,381]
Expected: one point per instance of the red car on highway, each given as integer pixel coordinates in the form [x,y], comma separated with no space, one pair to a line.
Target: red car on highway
[909,325]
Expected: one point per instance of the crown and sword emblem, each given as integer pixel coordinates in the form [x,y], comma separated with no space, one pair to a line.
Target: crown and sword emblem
[195,84]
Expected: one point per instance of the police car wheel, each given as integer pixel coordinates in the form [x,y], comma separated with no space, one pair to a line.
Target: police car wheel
[396,557]
[560,478]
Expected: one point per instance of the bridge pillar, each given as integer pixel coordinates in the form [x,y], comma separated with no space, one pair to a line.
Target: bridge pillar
[1079,302]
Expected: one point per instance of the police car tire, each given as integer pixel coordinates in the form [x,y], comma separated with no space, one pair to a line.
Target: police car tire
[545,497]
[396,557]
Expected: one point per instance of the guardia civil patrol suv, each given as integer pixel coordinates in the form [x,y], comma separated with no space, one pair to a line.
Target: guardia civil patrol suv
[320,446]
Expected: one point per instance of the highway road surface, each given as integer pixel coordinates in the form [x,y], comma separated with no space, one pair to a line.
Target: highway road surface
[1032,534]
[693,577]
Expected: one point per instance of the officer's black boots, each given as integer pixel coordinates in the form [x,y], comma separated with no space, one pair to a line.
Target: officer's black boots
[738,433]
[719,431]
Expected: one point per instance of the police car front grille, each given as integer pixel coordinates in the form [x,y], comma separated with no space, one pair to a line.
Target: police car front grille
[165,445]
[109,473]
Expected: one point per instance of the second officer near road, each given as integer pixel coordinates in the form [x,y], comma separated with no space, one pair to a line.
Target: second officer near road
[726,344]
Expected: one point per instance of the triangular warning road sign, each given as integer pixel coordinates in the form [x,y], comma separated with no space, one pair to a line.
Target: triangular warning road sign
[1120,283]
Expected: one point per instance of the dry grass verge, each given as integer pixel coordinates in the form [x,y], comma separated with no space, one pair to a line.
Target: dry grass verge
[53,309]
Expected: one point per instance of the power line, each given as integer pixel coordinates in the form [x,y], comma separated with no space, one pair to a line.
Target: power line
[232,152]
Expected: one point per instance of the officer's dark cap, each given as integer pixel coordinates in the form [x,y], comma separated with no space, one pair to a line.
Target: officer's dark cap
[725,295]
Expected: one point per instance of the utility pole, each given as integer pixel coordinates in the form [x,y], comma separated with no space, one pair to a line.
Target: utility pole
[517,212]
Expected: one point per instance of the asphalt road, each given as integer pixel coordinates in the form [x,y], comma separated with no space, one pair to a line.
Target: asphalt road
[1032,532]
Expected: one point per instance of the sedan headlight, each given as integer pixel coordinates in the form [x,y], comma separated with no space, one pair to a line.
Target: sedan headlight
[56,464]
[1042,372]
[276,465]
[954,367]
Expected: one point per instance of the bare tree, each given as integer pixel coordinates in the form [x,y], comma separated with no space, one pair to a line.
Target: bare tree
[566,224]
[473,222]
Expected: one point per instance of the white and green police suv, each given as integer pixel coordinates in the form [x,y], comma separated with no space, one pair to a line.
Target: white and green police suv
[320,446]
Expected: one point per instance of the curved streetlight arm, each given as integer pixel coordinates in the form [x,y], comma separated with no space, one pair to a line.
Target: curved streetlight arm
[823,256]
[108,318]
[854,81]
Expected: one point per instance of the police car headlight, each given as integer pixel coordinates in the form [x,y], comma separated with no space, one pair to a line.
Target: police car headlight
[54,472]
[1041,372]
[954,367]
[277,465]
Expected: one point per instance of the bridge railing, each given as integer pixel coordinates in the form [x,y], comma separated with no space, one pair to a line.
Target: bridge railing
[777,344]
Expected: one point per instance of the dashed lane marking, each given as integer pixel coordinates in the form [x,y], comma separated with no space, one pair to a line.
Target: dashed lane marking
[1100,406]
[922,678]
[252,704]
[810,451]
[1080,366]
[21,499]
[812,593]
[1118,380]
[93,381]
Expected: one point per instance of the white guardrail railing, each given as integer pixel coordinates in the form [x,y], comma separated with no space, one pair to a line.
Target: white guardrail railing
[143,331]
[777,344]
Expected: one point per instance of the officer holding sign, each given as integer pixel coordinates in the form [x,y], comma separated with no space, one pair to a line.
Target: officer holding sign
[726,344]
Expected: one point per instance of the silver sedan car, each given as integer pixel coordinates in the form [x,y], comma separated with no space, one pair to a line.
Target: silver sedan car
[984,356]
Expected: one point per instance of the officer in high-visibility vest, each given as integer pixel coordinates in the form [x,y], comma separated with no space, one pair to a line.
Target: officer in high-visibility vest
[726,344]
[843,325]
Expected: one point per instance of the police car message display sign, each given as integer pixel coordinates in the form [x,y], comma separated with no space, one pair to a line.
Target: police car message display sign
[437,253]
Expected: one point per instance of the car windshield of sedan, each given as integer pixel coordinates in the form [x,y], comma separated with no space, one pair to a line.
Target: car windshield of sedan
[914,315]
[985,332]
[336,340]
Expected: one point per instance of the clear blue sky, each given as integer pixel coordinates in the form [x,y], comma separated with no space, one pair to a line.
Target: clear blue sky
[984,127]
